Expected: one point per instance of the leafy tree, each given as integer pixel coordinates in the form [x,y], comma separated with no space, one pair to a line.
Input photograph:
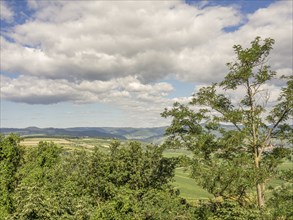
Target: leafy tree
[140,169]
[32,198]
[137,183]
[54,184]
[281,202]
[58,184]
[229,162]
[153,204]
[10,160]
[227,210]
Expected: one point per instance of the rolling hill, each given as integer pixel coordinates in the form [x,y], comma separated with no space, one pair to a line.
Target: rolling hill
[151,135]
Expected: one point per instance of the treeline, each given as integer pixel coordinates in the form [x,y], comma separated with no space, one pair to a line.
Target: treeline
[47,182]
[128,182]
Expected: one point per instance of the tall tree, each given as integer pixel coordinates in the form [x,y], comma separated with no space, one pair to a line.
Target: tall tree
[10,160]
[228,162]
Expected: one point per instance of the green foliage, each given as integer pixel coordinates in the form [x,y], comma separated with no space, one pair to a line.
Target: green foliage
[138,168]
[226,210]
[280,204]
[230,162]
[129,182]
[35,196]
[10,160]
[150,204]
[226,178]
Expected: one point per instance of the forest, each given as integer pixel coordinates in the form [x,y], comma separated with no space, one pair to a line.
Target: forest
[134,180]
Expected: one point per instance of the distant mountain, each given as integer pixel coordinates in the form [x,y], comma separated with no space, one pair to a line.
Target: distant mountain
[153,135]
[150,135]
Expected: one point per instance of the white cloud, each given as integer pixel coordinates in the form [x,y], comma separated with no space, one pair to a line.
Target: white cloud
[6,13]
[118,51]
[120,91]
[275,22]
[103,40]
[99,40]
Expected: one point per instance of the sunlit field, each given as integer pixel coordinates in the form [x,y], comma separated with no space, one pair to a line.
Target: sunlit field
[70,143]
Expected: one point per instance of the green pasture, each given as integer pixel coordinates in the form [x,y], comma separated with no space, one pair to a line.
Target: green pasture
[286,165]
[70,143]
[188,187]
[177,152]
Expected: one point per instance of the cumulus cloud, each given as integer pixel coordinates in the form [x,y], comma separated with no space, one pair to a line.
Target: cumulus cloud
[33,90]
[102,40]
[121,52]
[275,22]
[6,13]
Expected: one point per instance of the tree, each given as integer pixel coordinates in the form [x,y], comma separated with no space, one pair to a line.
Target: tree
[228,162]
[137,183]
[10,160]
[140,168]
[280,204]
[129,182]
[32,198]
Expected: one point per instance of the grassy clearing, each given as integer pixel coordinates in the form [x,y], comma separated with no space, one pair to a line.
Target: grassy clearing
[35,141]
[177,152]
[188,187]
[87,144]
[286,165]
[70,143]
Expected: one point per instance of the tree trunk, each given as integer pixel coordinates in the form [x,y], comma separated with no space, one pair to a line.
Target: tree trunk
[260,189]
[257,154]
[260,195]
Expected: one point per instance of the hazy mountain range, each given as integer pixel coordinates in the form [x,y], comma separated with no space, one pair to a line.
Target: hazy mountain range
[153,135]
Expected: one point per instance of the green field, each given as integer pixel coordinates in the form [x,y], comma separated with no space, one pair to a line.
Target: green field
[188,187]
[71,143]
[177,152]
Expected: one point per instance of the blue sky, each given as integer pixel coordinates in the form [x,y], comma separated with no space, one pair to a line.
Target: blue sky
[120,63]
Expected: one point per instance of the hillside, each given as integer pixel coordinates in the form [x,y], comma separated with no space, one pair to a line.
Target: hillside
[151,135]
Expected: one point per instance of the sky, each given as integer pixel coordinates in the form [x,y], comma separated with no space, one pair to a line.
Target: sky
[120,63]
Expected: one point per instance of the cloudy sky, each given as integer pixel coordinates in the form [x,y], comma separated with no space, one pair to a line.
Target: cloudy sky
[120,63]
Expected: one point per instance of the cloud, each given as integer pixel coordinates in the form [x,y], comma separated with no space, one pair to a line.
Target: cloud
[275,22]
[103,40]
[7,13]
[33,90]
[121,52]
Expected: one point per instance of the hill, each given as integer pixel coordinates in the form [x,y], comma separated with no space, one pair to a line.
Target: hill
[150,135]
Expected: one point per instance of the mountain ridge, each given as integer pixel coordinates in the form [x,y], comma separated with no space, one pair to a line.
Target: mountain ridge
[124,133]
